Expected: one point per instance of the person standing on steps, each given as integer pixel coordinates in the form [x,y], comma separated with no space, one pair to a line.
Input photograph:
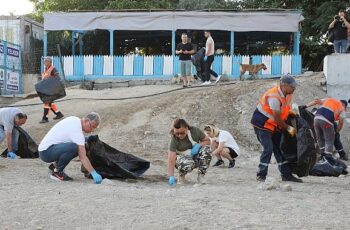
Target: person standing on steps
[50,71]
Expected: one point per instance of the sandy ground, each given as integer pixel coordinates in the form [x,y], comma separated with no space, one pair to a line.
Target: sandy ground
[231,199]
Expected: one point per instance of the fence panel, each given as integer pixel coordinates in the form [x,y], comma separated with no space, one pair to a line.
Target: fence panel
[226,65]
[217,64]
[286,64]
[267,60]
[168,65]
[108,65]
[68,65]
[88,65]
[134,65]
[148,65]
[118,65]
[158,65]
[128,65]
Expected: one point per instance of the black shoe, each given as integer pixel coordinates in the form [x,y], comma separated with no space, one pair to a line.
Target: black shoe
[58,116]
[292,179]
[60,176]
[261,178]
[218,163]
[232,164]
[44,120]
[343,155]
[52,168]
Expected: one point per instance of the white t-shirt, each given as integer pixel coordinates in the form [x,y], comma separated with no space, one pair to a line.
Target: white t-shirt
[69,130]
[212,49]
[229,141]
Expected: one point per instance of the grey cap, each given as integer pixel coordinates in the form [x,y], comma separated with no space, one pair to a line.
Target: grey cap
[289,80]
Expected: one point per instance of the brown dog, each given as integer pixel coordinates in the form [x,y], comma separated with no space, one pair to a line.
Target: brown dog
[253,69]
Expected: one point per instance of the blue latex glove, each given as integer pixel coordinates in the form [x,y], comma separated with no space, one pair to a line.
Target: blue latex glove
[97,177]
[11,155]
[172,180]
[205,58]
[195,149]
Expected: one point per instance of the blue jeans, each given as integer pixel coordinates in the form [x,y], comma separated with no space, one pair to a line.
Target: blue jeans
[340,46]
[15,136]
[62,154]
[271,143]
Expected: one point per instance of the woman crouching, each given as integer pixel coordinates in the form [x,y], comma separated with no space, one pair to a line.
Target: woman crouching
[188,149]
[223,145]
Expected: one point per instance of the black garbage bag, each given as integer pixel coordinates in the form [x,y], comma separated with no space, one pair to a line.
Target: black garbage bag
[27,148]
[300,151]
[112,163]
[50,89]
[197,61]
[324,168]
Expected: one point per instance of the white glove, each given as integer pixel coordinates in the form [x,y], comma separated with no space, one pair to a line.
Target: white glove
[291,130]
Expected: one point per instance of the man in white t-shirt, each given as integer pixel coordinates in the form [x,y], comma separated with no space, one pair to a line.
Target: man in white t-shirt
[65,141]
[209,58]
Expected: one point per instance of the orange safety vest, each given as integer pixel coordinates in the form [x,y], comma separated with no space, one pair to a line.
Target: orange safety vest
[331,109]
[47,72]
[263,116]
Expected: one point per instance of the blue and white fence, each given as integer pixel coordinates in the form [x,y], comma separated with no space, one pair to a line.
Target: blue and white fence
[90,67]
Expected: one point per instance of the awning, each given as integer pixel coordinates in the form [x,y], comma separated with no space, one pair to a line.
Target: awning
[237,21]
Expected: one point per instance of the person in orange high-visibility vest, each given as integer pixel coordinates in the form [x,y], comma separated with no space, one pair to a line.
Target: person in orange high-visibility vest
[326,127]
[268,120]
[50,71]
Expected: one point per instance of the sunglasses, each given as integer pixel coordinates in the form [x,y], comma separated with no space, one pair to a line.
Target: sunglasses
[180,133]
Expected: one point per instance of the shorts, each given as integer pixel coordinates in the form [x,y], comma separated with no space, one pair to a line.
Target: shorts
[185,68]
[233,153]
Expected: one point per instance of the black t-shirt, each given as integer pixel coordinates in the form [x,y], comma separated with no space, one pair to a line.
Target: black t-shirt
[340,31]
[188,47]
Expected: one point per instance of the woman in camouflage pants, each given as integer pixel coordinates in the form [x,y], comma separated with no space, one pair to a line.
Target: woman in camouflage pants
[188,149]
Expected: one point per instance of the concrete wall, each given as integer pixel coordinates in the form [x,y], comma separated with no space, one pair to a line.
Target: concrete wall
[28,82]
[336,68]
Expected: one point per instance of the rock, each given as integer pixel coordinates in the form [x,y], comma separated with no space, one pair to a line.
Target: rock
[183,111]
[286,188]
[148,132]
[173,116]
[107,182]
[270,184]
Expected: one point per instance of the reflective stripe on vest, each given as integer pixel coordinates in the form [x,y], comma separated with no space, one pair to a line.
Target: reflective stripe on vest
[47,72]
[331,109]
[264,108]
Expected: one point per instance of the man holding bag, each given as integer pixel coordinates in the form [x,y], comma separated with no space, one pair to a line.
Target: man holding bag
[269,119]
[64,142]
[50,71]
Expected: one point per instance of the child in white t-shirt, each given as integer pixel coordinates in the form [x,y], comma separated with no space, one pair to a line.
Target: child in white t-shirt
[223,145]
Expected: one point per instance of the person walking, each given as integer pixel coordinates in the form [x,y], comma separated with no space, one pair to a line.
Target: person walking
[209,58]
[268,120]
[50,71]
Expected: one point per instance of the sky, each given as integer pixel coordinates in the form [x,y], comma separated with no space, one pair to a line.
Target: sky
[17,7]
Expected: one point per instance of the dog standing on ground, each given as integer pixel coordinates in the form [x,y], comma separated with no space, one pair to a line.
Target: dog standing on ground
[253,69]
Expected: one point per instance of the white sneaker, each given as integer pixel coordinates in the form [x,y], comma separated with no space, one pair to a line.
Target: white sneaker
[218,79]
[206,83]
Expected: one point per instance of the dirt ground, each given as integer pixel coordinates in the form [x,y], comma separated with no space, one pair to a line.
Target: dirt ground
[231,199]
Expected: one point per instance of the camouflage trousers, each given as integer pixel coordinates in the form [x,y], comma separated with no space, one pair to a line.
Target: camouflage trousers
[186,164]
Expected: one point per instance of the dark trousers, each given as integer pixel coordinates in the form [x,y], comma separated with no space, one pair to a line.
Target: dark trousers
[62,154]
[271,143]
[207,68]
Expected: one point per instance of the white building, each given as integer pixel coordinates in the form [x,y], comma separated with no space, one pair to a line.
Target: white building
[19,29]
